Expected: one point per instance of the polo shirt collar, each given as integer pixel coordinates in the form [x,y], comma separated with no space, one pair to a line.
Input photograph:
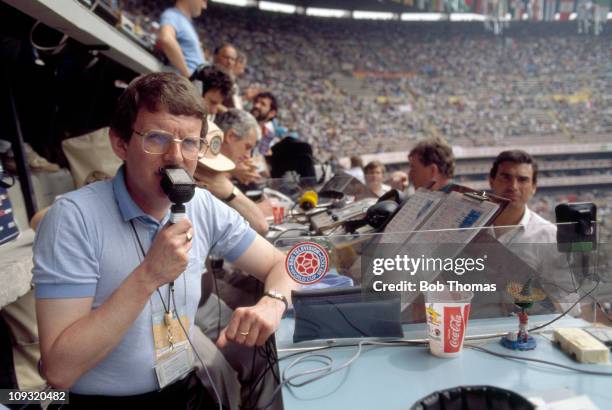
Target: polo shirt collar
[526,217]
[128,208]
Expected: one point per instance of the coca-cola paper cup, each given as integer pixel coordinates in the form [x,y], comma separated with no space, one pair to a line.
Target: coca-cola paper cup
[278,211]
[447,316]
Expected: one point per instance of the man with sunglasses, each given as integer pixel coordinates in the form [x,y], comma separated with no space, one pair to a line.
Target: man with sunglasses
[117,287]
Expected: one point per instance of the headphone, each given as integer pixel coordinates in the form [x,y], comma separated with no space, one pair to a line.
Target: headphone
[379,214]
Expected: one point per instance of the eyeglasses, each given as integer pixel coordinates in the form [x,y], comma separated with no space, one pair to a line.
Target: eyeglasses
[159,142]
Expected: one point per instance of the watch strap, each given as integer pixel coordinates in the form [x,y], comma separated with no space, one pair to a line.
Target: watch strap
[277,296]
[231,196]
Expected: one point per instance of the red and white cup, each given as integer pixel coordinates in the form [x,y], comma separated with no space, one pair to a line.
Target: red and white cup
[447,317]
[278,211]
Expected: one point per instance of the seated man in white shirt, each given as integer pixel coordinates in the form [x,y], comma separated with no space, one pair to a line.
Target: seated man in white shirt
[514,176]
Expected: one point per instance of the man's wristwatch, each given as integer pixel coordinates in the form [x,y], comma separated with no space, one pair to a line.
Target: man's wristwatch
[278,296]
[231,196]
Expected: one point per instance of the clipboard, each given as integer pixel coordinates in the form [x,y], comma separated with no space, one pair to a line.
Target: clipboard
[420,210]
[439,224]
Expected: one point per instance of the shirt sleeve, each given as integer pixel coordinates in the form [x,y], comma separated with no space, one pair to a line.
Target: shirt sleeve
[65,262]
[231,233]
[170,18]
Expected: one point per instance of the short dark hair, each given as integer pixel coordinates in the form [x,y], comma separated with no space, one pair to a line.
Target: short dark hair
[516,156]
[213,78]
[436,151]
[356,161]
[222,46]
[270,96]
[372,165]
[157,92]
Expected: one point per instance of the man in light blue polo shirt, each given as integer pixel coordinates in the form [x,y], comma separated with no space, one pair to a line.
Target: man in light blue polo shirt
[178,37]
[104,256]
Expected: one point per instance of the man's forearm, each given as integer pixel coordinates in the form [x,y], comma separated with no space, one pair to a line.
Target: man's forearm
[251,212]
[83,344]
[279,280]
[172,50]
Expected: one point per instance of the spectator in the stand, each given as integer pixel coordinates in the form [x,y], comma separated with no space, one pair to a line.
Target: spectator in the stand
[215,174]
[241,64]
[240,71]
[241,134]
[432,165]
[178,37]
[225,58]
[265,107]
[356,169]
[375,177]
[232,141]
[216,86]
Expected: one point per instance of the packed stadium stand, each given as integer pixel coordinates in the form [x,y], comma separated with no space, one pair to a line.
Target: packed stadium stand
[366,87]
[396,82]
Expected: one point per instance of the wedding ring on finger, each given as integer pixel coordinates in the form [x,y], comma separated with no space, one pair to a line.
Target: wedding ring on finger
[245,333]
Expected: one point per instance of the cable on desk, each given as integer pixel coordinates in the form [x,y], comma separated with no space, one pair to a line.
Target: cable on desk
[328,362]
[567,310]
[553,320]
[529,359]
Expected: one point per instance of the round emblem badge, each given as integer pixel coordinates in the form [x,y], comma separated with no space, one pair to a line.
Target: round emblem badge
[307,263]
[215,144]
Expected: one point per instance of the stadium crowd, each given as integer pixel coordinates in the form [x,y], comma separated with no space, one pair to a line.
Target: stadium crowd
[456,81]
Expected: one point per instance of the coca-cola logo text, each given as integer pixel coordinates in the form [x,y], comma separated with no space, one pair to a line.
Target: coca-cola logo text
[456,329]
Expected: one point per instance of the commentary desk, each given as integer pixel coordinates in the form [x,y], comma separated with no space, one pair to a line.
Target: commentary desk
[396,377]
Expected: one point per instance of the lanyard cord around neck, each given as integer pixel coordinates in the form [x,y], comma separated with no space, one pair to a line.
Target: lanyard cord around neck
[166,308]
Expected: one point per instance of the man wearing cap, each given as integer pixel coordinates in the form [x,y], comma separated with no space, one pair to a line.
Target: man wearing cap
[118,285]
[213,171]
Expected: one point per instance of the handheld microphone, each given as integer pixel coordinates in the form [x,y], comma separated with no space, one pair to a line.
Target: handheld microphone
[308,200]
[179,186]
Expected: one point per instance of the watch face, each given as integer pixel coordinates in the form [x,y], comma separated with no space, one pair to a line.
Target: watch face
[215,144]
